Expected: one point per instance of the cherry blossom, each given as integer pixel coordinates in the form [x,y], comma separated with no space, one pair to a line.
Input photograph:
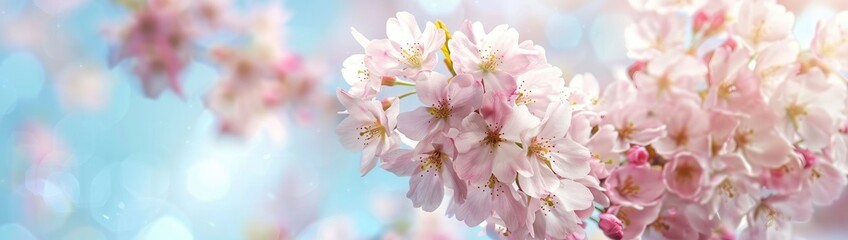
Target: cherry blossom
[495,57]
[829,44]
[724,121]
[762,22]
[449,100]
[368,128]
[407,51]
[158,39]
[488,145]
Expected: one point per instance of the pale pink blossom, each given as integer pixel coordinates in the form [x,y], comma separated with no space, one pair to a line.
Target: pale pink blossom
[601,145]
[772,216]
[686,127]
[430,169]
[670,76]
[654,35]
[807,106]
[732,86]
[637,186]
[537,89]
[364,82]
[407,51]
[830,44]
[552,154]
[447,100]
[493,196]
[553,214]
[633,125]
[158,40]
[685,175]
[776,63]
[495,58]
[672,222]
[634,220]
[490,145]
[368,128]
[759,142]
[762,22]
[583,91]
[824,183]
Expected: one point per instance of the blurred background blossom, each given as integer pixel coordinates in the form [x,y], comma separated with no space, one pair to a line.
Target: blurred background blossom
[85,155]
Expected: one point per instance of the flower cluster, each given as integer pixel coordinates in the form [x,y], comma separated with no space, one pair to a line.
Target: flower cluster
[724,121]
[260,75]
[724,128]
[493,133]
[159,40]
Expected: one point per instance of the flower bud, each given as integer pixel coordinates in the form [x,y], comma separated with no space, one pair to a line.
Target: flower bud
[388,81]
[637,155]
[700,19]
[611,226]
[726,234]
[637,66]
[808,158]
[387,103]
[729,44]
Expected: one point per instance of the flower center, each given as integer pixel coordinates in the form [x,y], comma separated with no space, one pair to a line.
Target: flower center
[492,181]
[433,161]
[770,214]
[363,74]
[726,189]
[440,110]
[663,84]
[489,60]
[413,55]
[743,138]
[623,216]
[725,89]
[548,204]
[541,148]
[684,173]
[372,131]
[493,138]
[628,189]
[793,111]
[660,225]
[681,138]
[626,131]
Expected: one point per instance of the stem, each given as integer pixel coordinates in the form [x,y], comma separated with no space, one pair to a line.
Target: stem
[404,83]
[406,95]
[599,209]
[594,220]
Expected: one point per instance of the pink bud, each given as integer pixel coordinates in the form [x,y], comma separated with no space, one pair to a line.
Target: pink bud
[611,226]
[289,63]
[717,20]
[807,156]
[637,155]
[726,234]
[701,18]
[387,103]
[729,44]
[637,66]
[388,81]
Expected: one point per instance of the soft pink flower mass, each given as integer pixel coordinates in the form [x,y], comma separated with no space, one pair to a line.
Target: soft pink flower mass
[726,129]
[260,76]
